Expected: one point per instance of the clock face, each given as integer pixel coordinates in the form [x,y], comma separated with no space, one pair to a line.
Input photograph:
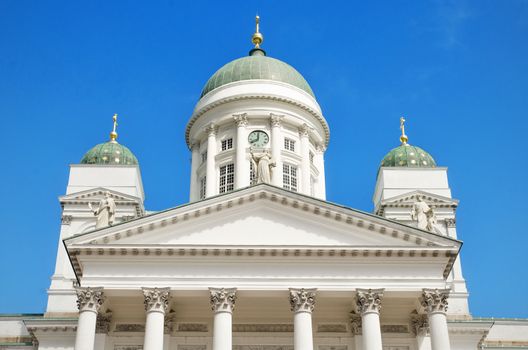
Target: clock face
[258,138]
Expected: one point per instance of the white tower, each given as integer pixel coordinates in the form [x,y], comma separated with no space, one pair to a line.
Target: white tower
[109,168]
[408,174]
[257,104]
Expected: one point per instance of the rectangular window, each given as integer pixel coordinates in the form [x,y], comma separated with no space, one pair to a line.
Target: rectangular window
[203,184]
[252,174]
[289,144]
[204,157]
[227,178]
[227,144]
[311,155]
[289,177]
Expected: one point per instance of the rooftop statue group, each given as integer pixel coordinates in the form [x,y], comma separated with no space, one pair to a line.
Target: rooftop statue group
[105,212]
[424,215]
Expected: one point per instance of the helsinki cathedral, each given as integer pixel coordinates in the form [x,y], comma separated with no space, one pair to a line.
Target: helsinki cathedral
[258,259]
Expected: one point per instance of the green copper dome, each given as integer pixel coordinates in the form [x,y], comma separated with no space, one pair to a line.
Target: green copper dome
[256,66]
[109,152]
[408,156]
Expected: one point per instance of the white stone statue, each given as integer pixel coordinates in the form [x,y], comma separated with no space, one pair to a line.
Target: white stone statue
[105,213]
[424,215]
[262,164]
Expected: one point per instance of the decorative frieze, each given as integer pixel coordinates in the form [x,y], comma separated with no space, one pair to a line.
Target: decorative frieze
[435,300]
[262,347]
[128,347]
[450,222]
[302,300]
[192,327]
[332,328]
[103,322]
[192,347]
[369,300]
[240,119]
[223,299]
[130,327]
[89,299]
[156,299]
[332,347]
[268,328]
[394,328]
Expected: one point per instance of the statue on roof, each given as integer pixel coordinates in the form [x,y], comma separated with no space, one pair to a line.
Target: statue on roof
[105,212]
[424,215]
[262,164]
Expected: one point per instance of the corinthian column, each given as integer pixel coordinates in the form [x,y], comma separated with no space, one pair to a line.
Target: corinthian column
[302,302]
[435,303]
[156,304]
[304,134]
[241,163]
[368,302]
[276,142]
[210,171]
[194,191]
[222,303]
[89,301]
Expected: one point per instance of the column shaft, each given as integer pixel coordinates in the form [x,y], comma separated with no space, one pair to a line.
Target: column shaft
[320,186]
[210,186]
[195,162]
[85,337]
[368,302]
[241,163]
[276,147]
[306,172]
[154,331]
[439,332]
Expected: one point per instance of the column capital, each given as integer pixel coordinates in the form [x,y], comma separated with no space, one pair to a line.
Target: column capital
[89,299]
[156,299]
[223,299]
[304,130]
[241,119]
[320,148]
[355,323]
[276,119]
[169,322]
[434,300]
[419,323]
[211,129]
[369,300]
[302,300]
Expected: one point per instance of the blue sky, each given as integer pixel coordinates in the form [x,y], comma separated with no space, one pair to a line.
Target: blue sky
[458,71]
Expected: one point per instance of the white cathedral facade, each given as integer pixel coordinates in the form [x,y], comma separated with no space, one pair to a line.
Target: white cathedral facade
[258,259]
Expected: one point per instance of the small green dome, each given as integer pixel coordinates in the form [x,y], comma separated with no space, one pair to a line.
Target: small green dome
[109,152]
[256,66]
[408,156]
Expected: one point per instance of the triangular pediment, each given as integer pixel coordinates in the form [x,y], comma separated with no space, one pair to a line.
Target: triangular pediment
[97,194]
[263,216]
[407,200]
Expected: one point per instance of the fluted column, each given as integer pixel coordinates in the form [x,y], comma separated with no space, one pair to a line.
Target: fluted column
[156,304]
[434,302]
[368,302]
[89,301]
[223,304]
[241,163]
[276,147]
[302,302]
[210,186]
[195,162]
[304,134]
[320,187]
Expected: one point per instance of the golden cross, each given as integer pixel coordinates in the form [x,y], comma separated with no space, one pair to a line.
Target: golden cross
[113,134]
[403,137]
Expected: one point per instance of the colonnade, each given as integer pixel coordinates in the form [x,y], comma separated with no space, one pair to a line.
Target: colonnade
[302,302]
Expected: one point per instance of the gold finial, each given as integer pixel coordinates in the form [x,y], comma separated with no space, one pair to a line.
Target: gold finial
[403,137]
[113,134]
[257,38]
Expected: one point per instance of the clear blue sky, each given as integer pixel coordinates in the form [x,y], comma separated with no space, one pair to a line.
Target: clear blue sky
[458,70]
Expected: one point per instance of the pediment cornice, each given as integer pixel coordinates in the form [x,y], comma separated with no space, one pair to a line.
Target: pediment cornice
[95,194]
[407,200]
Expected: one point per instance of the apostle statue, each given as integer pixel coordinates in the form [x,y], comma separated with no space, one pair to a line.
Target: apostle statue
[262,164]
[105,213]
[424,215]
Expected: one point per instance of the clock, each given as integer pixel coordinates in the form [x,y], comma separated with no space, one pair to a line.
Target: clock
[258,138]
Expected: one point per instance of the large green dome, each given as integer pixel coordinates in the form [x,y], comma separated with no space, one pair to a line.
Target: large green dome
[256,66]
[109,152]
[408,156]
